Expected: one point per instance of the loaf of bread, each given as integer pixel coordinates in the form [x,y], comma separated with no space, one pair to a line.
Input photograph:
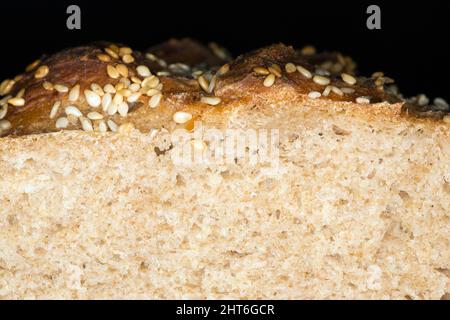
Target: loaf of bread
[348,197]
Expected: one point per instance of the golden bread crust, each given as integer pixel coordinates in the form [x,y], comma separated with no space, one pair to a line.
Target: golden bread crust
[176,67]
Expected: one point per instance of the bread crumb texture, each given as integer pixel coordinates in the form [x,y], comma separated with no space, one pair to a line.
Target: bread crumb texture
[356,210]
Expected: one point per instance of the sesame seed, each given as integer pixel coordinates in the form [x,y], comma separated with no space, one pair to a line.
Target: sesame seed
[123,70]
[446,119]
[261,70]
[326,91]
[197,73]
[152,92]
[308,50]
[41,72]
[388,80]
[102,126]
[119,86]
[211,100]
[377,74]
[223,69]
[32,65]
[135,87]
[48,86]
[4,100]
[112,72]
[327,65]
[441,103]
[114,48]
[118,98]
[363,100]
[275,69]
[348,90]
[162,63]
[94,115]
[21,93]
[103,57]
[314,94]
[111,53]
[322,72]
[155,100]
[128,58]
[74,93]
[112,109]
[3,111]
[290,67]
[151,56]
[73,111]
[150,82]
[92,98]
[422,100]
[143,71]
[6,86]
[125,81]
[62,123]
[125,50]
[134,97]
[109,88]
[341,59]
[218,51]
[203,83]
[336,68]
[86,124]
[163,73]
[125,92]
[123,109]
[212,84]
[379,82]
[182,117]
[61,88]
[55,109]
[112,125]
[5,125]
[136,80]
[348,78]
[97,89]
[321,80]
[106,101]
[305,72]
[337,91]
[159,87]
[269,80]
[179,67]
[17,102]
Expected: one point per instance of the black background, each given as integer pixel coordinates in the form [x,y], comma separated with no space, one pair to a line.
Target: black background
[411,47]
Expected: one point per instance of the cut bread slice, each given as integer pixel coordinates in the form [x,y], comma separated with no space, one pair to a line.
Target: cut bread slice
[355,207]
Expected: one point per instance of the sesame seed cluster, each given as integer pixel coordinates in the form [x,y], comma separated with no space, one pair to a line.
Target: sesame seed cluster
[107,87]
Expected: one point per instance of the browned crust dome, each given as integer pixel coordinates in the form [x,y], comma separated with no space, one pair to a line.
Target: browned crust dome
[102,86]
